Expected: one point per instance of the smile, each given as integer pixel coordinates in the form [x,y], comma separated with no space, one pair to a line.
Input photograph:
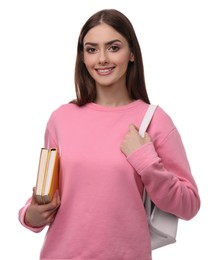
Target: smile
[105,71]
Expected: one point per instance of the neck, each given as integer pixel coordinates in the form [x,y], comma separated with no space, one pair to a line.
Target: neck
[112,96]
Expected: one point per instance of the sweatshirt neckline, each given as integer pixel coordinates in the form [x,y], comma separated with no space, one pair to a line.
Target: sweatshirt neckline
[131,105]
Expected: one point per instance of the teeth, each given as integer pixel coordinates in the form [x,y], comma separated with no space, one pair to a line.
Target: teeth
[104,70]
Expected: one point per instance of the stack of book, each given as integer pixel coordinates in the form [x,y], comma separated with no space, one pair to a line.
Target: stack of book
[48,175]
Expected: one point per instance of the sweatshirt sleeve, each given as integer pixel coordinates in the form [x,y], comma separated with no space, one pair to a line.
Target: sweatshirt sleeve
[49,137]
[167,177]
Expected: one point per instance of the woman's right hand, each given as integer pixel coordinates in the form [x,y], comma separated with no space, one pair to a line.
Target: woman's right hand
[42,215]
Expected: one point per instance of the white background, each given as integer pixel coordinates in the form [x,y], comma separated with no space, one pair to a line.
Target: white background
[180,47]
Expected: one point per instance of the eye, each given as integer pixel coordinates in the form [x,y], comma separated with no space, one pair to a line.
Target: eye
[90,49]
[114,48]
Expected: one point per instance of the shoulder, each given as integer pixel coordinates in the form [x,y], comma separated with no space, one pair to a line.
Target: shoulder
[161,125]
[62,115]
[64,110]
[162,118]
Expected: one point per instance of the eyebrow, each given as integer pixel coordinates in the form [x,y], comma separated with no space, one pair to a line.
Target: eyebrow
[96,44]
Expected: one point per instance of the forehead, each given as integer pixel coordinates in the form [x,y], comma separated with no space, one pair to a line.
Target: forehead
[103,33]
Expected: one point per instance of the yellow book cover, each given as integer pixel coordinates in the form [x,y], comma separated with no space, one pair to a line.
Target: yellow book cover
[48,175]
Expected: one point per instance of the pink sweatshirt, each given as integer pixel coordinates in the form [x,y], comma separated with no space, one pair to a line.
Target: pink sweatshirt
[101,216]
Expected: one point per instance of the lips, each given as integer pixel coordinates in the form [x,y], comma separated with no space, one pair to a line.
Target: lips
[104,71]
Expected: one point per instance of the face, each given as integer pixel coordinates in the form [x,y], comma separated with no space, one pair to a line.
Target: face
[106,55]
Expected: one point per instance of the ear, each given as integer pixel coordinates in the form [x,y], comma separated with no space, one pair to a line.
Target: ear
[132,58]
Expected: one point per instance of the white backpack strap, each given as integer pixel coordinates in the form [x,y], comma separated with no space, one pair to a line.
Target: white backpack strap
[144,125]
[146,120]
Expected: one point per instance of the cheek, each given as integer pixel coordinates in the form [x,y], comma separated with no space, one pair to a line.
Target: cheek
[123,59]
[89,60]
[123,63]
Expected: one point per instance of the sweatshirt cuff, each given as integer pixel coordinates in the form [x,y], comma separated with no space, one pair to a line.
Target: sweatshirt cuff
[143,157]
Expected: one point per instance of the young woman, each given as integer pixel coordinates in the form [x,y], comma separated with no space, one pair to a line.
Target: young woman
[105,164]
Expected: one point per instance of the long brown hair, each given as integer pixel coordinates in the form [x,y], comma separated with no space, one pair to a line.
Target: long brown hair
[135,81]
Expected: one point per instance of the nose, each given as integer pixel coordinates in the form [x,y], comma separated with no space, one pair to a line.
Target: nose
[103,57]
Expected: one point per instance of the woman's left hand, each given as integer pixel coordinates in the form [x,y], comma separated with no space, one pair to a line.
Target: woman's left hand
[132,140]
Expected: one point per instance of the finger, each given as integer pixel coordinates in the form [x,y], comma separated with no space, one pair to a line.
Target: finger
[56,198]
[57,195]
[147,137]
[48,217]
[51,214]
[54,204]
[34,200]
[132,127]
[51,218]
[49,206]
